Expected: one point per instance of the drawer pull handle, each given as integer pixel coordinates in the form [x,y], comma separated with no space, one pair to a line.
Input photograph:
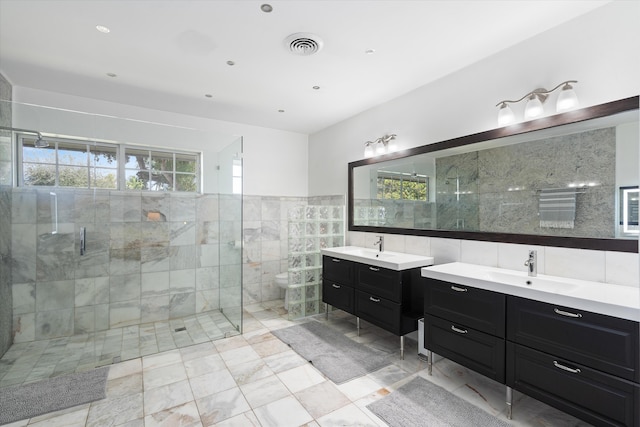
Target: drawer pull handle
[566,368]
[336,286]
[457,289]
[566,313]
[374,299]
[458,330]
[374,269]
[335,260]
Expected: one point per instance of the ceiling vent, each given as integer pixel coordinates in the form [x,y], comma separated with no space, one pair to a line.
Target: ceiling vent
[303,44]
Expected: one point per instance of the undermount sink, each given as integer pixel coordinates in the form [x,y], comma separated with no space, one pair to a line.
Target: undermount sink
[550,284]
[385,259]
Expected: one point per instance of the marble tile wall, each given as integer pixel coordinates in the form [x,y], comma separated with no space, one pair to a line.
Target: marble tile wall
[149,257]
[6,298]
[6,295]
[265,224]
[266,234]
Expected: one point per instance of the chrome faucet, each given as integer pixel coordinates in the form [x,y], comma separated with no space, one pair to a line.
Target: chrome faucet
[532,263]
[380,243]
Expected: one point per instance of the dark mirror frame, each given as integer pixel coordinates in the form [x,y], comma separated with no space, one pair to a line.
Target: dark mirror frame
[597,111]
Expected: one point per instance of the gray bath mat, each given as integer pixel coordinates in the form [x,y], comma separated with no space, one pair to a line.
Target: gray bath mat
[336,356]
[422,403]
[53,394]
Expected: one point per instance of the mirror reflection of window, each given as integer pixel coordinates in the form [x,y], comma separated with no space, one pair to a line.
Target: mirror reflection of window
[402,186]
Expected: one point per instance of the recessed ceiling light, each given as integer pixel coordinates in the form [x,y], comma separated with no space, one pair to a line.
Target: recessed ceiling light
[231,63]
[316,87]
[112,74]
[370,51]
[208,95]
[266,8]
[103,29]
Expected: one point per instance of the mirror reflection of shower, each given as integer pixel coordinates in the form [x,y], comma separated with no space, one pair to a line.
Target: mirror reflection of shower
[451,178]
[448,179]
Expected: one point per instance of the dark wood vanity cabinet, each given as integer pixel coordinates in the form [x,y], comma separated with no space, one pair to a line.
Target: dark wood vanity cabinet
[386,298]
[338,282]
[586,364]
[466,325]
[389,299]
[608,344]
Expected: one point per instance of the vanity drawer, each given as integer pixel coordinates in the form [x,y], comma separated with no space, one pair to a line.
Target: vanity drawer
[476,350]
[477,308]
[379,311]
[381,282]
[338,295]
[591,395]
[339,270]
[602,342]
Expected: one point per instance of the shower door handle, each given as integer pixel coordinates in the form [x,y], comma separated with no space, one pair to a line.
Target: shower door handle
[83,240]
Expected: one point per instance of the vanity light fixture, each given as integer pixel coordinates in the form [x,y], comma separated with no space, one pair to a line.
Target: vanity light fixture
[567,100]
[380,146]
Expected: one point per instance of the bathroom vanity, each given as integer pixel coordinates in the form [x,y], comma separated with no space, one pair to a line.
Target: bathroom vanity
[383,288]
[564,342]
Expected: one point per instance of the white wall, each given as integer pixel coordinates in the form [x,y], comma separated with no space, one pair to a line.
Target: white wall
[275,162]
[600,49]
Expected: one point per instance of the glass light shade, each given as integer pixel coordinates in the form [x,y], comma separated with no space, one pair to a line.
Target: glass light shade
[533,108]
[505,115]
[567,99]
[368,150]
[380,148]
[392,146]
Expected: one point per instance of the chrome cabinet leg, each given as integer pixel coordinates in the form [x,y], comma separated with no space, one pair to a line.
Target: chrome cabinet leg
[509,402]
[358,325]
[429,362]
[401,347]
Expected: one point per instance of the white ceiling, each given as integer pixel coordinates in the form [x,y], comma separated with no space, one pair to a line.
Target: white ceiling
[167,54]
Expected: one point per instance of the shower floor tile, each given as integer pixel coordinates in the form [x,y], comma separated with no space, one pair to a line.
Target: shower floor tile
[38,360]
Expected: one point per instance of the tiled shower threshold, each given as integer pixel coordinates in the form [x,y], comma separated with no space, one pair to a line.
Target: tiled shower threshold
[37,360]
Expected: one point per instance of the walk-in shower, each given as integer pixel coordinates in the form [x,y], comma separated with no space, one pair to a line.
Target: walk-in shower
[95,271]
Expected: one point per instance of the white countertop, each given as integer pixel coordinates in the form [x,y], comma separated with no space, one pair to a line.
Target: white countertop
[604,298]
[386,259]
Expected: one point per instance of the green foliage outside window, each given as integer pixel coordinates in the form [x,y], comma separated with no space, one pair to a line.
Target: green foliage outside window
[67,163]
[402,188]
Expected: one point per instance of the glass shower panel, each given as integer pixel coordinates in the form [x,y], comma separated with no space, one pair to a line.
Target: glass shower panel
[230,232]
[159,270]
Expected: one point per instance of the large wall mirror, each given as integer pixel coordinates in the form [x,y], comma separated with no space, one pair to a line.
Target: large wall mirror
[568,180]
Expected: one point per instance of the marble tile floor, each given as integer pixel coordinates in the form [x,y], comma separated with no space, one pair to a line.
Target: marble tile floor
[256,380]
[37,360]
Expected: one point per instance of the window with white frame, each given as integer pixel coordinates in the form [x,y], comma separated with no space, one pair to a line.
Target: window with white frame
[156,170]
[83,164]
[66,163]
